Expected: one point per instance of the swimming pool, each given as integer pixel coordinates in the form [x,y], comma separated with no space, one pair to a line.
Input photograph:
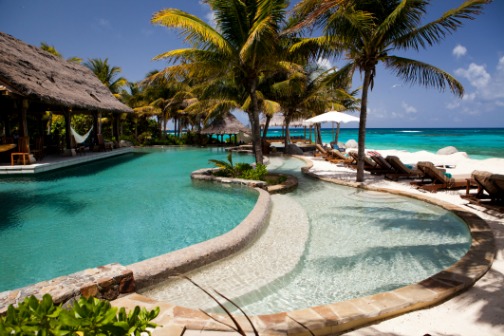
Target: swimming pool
[123,209]
[357,243]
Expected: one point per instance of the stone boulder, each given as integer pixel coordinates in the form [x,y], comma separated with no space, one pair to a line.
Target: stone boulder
[447,150]
[292,149]
[351,144]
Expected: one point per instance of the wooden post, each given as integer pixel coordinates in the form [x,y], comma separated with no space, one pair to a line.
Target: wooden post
[115,127]
[68,134]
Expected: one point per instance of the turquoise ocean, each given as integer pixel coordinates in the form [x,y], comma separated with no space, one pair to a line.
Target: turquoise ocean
[478,143]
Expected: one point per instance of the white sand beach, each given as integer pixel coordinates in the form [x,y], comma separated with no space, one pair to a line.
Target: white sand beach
[478,311]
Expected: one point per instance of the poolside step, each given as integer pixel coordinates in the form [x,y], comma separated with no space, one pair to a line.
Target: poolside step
[275,254]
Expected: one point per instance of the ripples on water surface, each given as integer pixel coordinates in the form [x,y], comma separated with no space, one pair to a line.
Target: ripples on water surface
[123,209]
[360,243]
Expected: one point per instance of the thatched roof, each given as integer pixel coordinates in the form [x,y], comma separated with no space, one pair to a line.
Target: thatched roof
[42,77]
[279,120]
[226,125]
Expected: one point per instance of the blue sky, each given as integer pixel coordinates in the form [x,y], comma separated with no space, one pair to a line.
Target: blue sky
[121,31]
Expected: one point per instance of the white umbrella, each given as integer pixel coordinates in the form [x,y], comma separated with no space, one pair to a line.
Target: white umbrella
[335,117]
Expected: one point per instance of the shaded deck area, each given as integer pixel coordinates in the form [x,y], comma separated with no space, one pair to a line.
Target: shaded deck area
[57,161]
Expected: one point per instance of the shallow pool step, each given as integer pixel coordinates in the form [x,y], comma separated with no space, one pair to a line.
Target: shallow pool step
[273,255]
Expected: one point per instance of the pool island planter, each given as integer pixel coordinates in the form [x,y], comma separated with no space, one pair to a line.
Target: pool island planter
[207,174]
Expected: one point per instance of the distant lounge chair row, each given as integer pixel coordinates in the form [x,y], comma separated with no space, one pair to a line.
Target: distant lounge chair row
[432,177]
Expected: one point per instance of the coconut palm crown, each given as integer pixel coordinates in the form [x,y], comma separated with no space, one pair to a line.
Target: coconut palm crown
[241,47]
[370,31]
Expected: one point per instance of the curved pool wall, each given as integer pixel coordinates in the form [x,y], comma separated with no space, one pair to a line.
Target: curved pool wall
[110,281]
[338,317]
[323,320]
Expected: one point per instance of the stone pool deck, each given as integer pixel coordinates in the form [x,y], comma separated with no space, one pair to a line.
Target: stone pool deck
[52,162]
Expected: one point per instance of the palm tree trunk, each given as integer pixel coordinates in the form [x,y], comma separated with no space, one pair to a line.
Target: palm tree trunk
[255,124]
[362,125]
[287,132]
[266,127]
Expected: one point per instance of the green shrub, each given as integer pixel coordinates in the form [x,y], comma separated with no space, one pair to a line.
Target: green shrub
[240,170]
[89,316]
[257,173]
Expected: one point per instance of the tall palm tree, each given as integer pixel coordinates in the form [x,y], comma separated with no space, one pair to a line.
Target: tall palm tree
[371,30]
[107,74]
[242,48]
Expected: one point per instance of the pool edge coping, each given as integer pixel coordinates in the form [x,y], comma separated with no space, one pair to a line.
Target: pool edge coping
[335,318]
[150,271]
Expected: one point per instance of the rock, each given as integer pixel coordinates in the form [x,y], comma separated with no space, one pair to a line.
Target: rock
[447,150]
[125,143]
[351,144]
[292,149]
[341,144]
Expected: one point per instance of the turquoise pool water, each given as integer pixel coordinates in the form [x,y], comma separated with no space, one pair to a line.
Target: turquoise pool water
[358,243]
[124,209]
[361,243]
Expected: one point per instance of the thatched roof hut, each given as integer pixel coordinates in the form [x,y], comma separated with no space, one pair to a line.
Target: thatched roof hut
[228,124]
[279,120]
[52,81]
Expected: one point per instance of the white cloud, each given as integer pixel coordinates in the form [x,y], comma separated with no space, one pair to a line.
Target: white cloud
[489,87]
[476,74]
[459,51]
[324,63]
[408,108]
[210,17]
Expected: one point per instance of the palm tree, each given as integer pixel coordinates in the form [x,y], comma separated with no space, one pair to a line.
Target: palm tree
[371,30]
[308,91]
[107,74]
[242,48]
[52,50]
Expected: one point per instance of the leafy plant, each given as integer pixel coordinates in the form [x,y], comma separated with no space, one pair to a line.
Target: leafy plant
[89,316]
[240,170]
[257,173]
[226,168]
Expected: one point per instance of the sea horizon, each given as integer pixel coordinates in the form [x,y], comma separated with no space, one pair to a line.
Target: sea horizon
[477,142]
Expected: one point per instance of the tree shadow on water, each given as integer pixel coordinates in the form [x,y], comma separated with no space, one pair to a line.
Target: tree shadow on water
[14,204]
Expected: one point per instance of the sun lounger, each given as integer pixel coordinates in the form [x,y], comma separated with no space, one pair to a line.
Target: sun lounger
[369,165]
[490,192]
[335,156]
[383,164]
[401,170]
[440,179]
[321,151]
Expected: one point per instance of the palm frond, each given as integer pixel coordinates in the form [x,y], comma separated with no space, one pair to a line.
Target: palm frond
[197,32]
[413,72]
[321,46]
[433,32]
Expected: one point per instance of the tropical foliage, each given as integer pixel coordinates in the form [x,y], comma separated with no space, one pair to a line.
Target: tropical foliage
[107,74]
[370,31]
[52,50]
[240,170]
[87,316]
[245,40]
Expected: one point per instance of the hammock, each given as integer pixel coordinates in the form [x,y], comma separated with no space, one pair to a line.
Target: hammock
[80,138]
